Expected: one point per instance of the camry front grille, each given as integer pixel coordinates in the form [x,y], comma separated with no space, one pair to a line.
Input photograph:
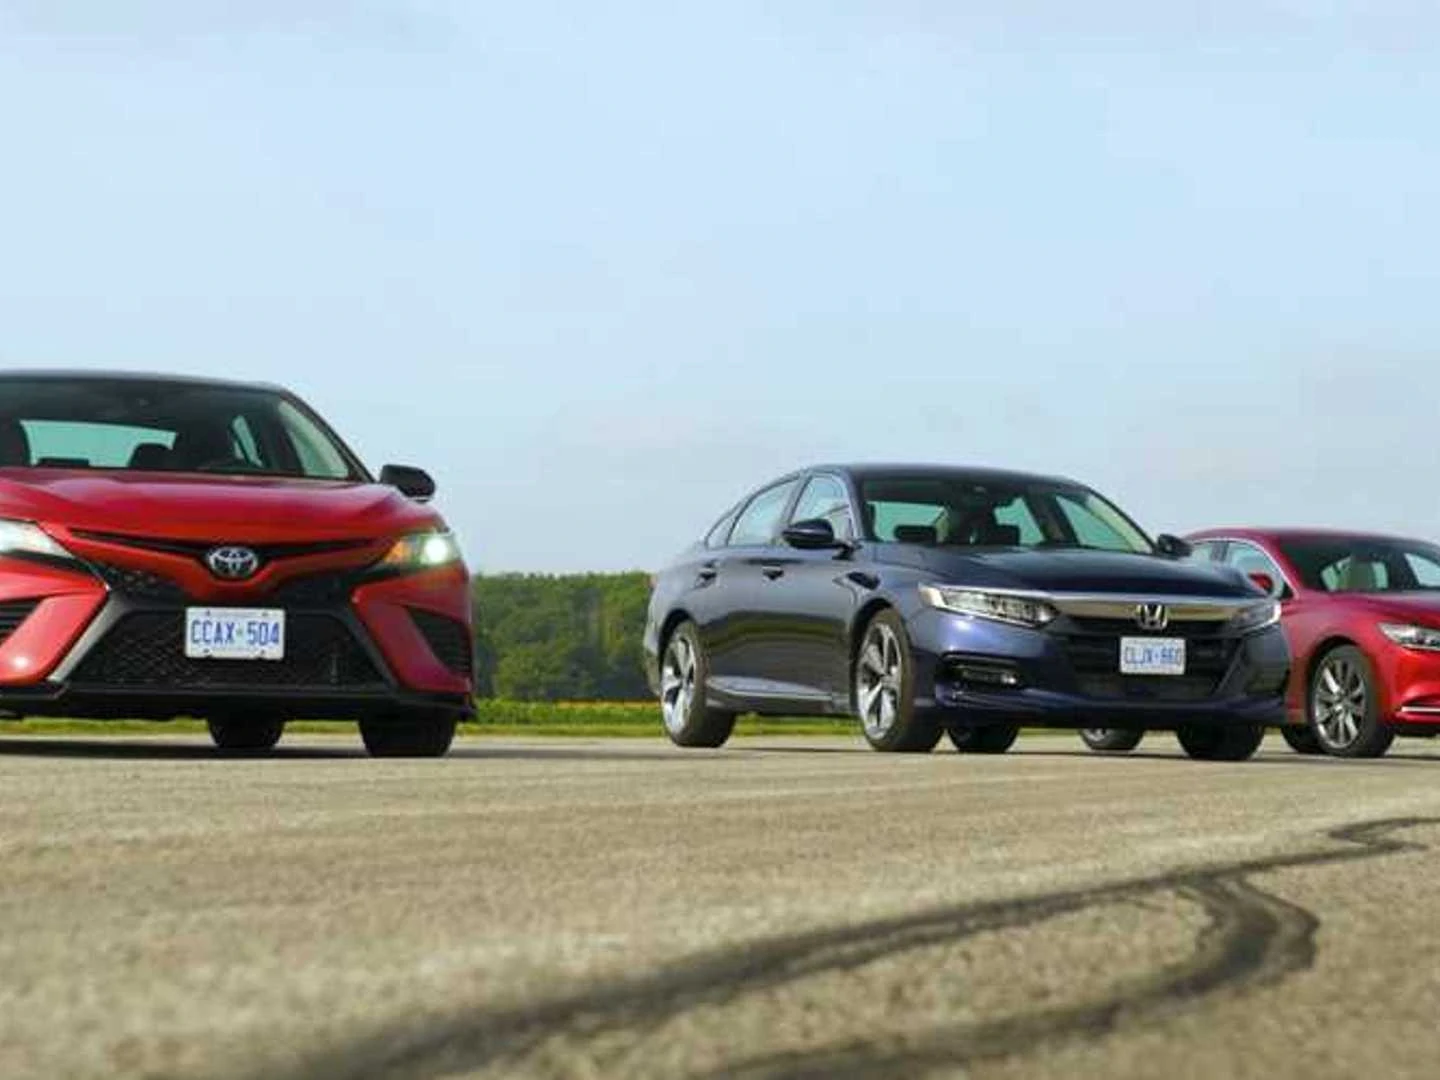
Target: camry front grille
[147,649]
[12,614]
[140,584]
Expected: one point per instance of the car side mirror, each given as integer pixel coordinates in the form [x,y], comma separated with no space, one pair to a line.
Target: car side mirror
[414,483]
[817,534]
[1263,581]
[1173,547]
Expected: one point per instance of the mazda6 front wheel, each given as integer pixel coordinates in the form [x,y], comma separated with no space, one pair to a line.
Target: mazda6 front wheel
[885,690]
[1345,706]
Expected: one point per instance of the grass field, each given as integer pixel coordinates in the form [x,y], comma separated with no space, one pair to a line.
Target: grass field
[609,719]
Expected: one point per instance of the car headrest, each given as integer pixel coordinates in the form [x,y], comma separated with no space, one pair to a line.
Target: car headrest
[199,446]
[1360,576]
[14,443]
[999,535]
[153,456]
[916,534]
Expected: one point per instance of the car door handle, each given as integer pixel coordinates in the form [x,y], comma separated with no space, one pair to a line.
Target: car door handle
[773,572]
[708,573]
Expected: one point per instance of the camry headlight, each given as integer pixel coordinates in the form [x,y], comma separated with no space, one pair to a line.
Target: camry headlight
[1017,609]
[423,551]
[23,538]
[1256,617]
[1412,637]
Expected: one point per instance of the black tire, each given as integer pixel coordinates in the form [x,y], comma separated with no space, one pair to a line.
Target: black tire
[408,736]
[883,690]
[245,734]
[1302,740]
[1344,680]
[684,675]
[990,739]
[1111,740]
[1221,742]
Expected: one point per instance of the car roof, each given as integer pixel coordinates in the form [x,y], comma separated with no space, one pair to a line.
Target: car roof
[1293,533]
[103,375]
[883,470]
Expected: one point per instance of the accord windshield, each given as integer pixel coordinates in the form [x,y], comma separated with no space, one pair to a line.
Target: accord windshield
[1358,564]
[141,425]
[953,511]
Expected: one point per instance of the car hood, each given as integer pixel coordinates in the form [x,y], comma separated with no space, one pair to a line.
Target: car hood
[176,506]
[1072,571]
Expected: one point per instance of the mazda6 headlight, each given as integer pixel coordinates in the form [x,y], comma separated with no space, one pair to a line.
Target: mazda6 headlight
[1017,609]
[423,551]
[25,538]
[1256,617]
[1412,637]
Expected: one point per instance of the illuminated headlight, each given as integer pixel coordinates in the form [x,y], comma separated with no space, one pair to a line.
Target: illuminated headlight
[1412,637]
[1256,617]
[423,551]
[23,538]
[1013,608]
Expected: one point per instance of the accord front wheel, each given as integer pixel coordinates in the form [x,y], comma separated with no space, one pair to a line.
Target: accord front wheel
[885,689]
[1214,742]
[990,739]
[1111,740]
[1345,706]
[684,674]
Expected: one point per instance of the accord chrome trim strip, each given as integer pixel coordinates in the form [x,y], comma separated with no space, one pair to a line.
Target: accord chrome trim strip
[1124,605]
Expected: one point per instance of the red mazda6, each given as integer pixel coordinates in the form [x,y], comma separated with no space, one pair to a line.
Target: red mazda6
[1362,614]
[176,547]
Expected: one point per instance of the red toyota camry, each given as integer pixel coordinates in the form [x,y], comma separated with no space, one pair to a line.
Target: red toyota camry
[1362,614]
[184,547]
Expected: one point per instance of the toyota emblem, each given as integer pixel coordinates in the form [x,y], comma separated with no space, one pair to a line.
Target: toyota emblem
[233,563]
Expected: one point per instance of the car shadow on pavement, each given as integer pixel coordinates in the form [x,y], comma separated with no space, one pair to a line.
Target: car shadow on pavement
[598,752]
[146,750]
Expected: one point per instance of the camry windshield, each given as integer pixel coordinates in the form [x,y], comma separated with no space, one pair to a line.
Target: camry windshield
[1363,565]
[141,425]
[955,511]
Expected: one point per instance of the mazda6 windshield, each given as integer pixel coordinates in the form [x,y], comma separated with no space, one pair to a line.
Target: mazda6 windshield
[947,511]
[164,426]
[1363,564]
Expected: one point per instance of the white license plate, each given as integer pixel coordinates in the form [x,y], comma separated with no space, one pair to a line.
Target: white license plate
[235,634]
[1152,656]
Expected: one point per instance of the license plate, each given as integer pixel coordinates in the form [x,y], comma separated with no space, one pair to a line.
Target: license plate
[1152,656]
[234,634]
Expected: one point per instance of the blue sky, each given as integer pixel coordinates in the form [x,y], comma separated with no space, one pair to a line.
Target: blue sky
[603,268]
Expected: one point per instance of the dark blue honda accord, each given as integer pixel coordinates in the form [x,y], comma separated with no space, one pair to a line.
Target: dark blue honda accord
[929,600]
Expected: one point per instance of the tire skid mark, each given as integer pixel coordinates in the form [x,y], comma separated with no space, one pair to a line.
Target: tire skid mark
[1253,938]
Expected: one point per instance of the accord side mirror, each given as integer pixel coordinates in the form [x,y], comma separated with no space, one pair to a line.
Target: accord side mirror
[817,534]
[409,481]
[1173,546]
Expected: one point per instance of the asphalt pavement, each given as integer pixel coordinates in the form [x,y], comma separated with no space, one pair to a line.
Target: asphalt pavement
[779,908]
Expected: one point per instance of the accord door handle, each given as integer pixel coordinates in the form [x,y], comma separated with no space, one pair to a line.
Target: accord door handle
[773,572]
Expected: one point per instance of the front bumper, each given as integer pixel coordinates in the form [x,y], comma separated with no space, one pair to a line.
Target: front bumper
[1066,677]
[109,643]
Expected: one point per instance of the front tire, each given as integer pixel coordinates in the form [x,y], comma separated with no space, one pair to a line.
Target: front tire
[990,739]
[408,737]
[1302,740]
[1344,706]
[684,674]
[885,690]
[244,734]
[1111,740]
[1214,742]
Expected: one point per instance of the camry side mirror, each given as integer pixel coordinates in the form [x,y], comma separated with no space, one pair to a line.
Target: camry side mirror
[1173,546]
[409,481]
[816,534]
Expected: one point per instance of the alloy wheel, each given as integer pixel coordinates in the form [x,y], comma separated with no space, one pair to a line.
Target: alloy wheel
[1341,700]
[677,683]
[879,676]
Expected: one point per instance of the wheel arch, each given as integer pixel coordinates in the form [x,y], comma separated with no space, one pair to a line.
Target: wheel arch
[1321,650]
[858,626]
[673,620]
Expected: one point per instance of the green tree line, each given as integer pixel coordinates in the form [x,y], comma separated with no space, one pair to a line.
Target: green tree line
[573,637]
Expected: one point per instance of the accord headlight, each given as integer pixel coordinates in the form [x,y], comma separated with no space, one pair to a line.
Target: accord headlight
[423,551]
[1256,617]
[24,538]
[1017,609]
[1412,637]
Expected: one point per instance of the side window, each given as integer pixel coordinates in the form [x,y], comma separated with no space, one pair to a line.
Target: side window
[1205,551]
[824,497]
[247,449]
[721,530]
[1089,527]
[1355,573]
[1249,559]
[759,522]
[319,458]
[1426,571]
